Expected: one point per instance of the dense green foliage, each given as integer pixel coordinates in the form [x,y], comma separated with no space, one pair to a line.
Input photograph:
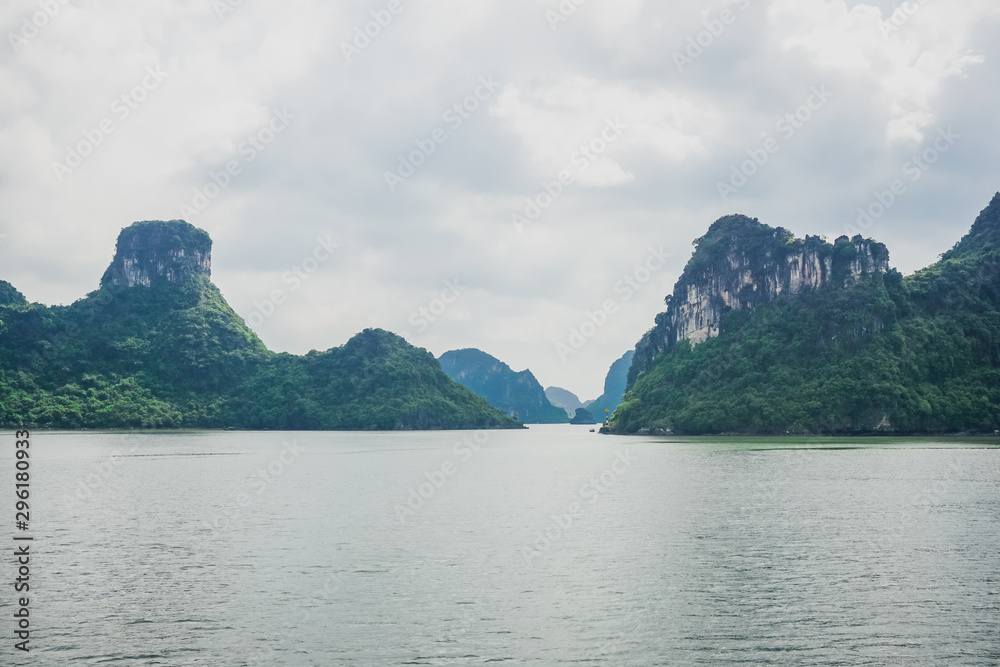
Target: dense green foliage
[515,393]
[919,354]
[376,381]
[737,247]
[174,354]
[9,296]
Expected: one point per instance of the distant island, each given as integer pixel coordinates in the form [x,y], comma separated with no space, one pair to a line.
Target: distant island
[520,395]
[157,346]
[615,384]
[600,408]
[517,394]
[583,416]
[564,399]
[765,333]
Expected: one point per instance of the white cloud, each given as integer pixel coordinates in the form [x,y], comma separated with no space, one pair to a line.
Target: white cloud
[655,185]
[556,121]
[909,62]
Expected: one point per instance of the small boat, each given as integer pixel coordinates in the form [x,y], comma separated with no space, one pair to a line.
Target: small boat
[593,431]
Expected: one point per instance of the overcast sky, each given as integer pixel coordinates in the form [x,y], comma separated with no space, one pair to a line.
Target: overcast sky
[643,108]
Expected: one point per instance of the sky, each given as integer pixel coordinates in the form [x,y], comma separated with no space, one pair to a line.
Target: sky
[521,176]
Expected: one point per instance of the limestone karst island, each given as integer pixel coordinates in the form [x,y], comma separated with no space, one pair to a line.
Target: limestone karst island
[764,333]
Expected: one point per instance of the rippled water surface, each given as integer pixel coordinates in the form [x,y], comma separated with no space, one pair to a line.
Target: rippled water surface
[550,546]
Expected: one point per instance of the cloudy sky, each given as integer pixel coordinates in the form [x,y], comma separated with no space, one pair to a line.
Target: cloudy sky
[427,141]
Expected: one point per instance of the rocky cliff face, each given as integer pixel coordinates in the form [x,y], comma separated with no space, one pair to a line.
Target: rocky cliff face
[741,264]
[156,251]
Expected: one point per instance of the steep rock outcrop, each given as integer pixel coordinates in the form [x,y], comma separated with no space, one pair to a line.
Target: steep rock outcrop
[856,350]
[149,252]
[741,264]
[158,346]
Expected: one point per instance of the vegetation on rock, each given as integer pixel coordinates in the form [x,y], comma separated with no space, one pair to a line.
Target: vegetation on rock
[157,346]
[919,354]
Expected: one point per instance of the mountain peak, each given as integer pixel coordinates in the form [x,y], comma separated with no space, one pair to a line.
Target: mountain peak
[563,398]
[740,227]
[153,251]
[990,215]
[741,264]
[739,233]
[514,393]
[732,223]
[985,231]
[10,296]
[812,337]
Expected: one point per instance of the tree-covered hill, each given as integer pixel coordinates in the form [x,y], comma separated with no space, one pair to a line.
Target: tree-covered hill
[157,346]
[614,387]
[846,346]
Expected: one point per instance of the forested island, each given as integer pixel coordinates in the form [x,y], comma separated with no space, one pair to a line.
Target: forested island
[157,346]
[765,333]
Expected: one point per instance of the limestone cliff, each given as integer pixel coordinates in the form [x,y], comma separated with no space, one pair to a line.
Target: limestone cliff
[741,264]
[819,338]
[150,252]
